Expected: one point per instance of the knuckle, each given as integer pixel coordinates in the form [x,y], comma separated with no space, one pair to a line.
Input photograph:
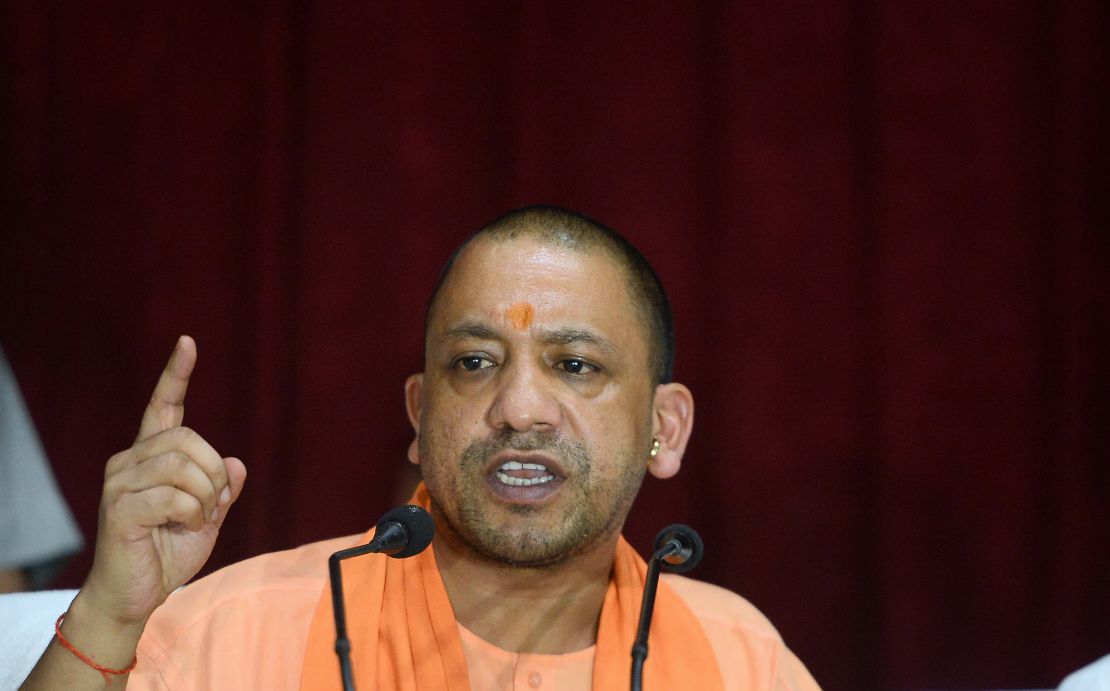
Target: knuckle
[173,434]
[176,436]
[157,496]
[188,502]
[176,461]
[186,506]
[111,489]
[116,462]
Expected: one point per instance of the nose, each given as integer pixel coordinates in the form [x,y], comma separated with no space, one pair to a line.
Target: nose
[524,400]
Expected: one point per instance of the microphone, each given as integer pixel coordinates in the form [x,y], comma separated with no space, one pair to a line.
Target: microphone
[402,532]
[678,548]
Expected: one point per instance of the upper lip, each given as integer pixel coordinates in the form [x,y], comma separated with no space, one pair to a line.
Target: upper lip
[550,462]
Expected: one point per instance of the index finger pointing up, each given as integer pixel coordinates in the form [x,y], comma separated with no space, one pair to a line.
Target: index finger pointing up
[166,409]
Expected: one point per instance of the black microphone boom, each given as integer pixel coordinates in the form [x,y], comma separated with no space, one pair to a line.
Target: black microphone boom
[678,548]
[402,532]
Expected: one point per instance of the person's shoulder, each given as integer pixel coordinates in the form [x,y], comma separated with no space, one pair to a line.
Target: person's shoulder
[287,578]
[291,569]
[750,652]
[718,606]
[257,609]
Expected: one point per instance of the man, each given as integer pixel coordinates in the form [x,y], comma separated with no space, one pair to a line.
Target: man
[545,397]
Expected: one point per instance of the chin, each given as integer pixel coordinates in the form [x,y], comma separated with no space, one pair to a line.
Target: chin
[527,555]
[533,547]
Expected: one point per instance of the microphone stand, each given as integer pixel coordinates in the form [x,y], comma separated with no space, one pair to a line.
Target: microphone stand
[640,647]
[342,643]
[679,548]
[402,532]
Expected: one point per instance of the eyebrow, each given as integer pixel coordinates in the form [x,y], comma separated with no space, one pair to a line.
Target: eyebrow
[569,336]
[563,336]
[473,329]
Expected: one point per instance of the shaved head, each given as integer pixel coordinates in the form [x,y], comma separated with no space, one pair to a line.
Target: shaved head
[569,230]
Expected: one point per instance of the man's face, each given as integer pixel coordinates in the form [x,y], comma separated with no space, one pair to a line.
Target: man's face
[534,412]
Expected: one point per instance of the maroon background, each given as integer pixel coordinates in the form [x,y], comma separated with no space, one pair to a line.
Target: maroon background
[883,227]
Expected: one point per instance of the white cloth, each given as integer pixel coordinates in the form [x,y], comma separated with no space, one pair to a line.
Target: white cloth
[37,531]
[26,627]
[1093,677]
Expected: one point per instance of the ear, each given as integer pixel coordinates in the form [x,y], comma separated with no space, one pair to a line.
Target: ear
[672,423]
[414,385]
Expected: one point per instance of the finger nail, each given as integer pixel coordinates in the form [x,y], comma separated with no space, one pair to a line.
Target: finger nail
[225,495]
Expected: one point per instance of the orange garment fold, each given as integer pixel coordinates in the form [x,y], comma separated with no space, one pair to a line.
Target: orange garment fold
[404,636]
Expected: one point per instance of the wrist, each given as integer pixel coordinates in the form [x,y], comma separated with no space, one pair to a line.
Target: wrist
[109,640]
[108,673]
[112,603]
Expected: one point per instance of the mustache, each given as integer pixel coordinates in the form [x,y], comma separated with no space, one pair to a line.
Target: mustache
[573,453]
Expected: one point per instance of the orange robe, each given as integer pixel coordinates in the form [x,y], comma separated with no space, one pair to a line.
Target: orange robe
[402,605]
[267,623]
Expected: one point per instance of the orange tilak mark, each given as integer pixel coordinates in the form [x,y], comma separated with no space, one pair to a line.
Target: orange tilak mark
[520,315]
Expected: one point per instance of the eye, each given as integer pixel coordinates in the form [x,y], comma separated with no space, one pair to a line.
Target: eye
[473,363]
[575,366]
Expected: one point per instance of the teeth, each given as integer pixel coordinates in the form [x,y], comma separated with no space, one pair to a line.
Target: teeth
[514,465]
[522,482]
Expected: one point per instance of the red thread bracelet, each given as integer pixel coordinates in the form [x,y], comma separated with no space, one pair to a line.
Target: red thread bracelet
[106,672]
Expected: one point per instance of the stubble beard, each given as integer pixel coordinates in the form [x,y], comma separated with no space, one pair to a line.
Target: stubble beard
[543,535]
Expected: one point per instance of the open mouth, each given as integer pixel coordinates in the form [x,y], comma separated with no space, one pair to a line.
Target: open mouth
[519,474]
[525,478]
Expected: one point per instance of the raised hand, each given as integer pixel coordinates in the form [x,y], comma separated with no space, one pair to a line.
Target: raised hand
[163,503]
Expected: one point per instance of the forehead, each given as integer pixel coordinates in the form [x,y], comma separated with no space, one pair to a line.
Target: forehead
[491,279]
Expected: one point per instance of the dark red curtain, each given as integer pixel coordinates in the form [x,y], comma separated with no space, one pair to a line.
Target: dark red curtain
[883,226]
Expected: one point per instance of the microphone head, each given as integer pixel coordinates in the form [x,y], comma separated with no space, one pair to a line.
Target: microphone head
[690,547]
[418,524]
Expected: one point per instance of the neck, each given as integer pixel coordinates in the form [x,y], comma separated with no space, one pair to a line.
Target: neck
[549,610]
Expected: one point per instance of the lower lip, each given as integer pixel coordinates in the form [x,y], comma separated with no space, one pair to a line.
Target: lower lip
[526,494]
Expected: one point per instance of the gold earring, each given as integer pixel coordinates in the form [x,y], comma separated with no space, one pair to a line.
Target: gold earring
[654,448]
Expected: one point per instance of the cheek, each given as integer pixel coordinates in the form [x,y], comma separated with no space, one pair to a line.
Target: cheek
[611,429]
[447,424]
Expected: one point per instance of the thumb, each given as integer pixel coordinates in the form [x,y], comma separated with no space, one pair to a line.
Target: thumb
[236,478]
